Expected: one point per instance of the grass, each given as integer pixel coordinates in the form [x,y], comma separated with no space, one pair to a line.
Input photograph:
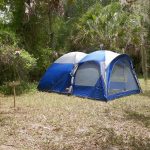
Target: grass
[49,121]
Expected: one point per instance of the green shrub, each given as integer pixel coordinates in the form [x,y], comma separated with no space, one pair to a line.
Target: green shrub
[8,38]
[15,64]
[24,87]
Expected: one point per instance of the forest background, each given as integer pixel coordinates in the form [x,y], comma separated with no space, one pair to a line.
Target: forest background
[34,33]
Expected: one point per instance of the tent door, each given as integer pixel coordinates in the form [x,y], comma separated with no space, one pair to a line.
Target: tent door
[87,80]
[122,78]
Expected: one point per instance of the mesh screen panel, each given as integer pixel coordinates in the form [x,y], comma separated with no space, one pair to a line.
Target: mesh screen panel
[87,74]
[121,78]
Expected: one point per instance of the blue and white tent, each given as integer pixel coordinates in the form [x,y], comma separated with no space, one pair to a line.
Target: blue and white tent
[101,75]
[57,78]
[105,75]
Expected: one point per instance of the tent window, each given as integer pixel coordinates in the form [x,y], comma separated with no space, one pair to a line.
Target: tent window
[121,78]
[87,74]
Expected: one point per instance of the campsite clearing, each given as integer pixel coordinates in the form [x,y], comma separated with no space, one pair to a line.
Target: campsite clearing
[49,121]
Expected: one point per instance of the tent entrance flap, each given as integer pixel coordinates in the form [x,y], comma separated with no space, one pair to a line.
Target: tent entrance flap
[121,78]
[88,81]
[87,74]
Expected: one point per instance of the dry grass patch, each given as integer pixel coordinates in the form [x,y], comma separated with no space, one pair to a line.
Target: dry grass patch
[49,121]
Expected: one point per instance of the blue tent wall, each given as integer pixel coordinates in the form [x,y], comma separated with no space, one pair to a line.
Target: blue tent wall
[57,78]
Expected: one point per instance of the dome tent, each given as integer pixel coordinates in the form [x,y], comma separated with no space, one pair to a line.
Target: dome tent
[57,77]
[105,75]
[101,75]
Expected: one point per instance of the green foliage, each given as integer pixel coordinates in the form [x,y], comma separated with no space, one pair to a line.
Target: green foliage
[45,59]
[27,61]
[63,26]
[8,37]
[15,62]
[17,9]
[24,87]
[110,25]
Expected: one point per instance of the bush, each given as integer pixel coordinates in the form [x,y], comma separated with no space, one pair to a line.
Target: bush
[24,87]
[8,38]
[15,63]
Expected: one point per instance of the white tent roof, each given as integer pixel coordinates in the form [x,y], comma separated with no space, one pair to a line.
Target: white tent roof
[71,58]
[109,56]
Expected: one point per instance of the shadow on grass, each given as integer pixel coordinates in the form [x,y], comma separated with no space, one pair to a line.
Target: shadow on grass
[100,139]
[139,144]
[132,115]
[6,112]
[146,93]
[5,121]
[117,142]
[6,117]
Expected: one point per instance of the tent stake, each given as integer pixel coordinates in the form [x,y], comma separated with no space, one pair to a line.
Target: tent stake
[13,85]
[14,89]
